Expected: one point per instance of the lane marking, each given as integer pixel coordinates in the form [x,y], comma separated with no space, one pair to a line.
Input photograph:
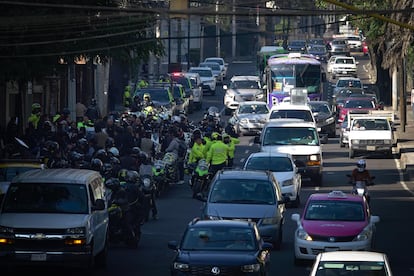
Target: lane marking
[402,181]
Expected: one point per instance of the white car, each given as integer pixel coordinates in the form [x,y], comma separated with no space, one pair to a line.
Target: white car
[349,262]
[240,89]
[223,64]
[283,168]
[207,78]
[215,67]
[288,110]
[197,85]
[342,65]
[250,117]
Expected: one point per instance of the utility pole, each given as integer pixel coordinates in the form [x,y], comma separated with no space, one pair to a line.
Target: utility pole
[218,30]
[233,28]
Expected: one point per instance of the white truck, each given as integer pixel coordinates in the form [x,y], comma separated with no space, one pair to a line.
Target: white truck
[371,133]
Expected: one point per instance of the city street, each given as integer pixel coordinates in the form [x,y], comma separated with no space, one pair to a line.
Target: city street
[389,200]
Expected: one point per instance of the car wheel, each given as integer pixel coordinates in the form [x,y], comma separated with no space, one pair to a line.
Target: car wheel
[351,153]
[342,145]
[101,258]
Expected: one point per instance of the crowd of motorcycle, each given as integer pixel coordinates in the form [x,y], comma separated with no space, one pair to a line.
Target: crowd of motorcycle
[139,154]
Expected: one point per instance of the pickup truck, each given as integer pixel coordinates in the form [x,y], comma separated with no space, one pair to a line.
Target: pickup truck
[370,134]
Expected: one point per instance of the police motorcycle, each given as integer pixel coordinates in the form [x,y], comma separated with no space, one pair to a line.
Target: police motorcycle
[159,177]
[170,160]
[200,178]
[147,186]
[122,229]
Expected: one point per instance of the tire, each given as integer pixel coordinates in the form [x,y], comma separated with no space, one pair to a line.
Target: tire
[196,187]
[351,154]
[342,145]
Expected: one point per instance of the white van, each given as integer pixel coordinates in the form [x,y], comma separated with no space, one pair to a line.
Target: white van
[54,216]
[298,138]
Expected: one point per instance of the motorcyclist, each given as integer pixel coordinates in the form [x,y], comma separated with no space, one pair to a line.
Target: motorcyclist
[218,154]
[145,169]
[231,142]
[360,173]
[197,153]
[134,196]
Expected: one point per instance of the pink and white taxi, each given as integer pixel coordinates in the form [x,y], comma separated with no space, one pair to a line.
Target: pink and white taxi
[331,222]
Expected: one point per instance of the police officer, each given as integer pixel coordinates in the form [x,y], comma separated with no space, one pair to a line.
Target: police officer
[217,155]
[127,97]
[231,142]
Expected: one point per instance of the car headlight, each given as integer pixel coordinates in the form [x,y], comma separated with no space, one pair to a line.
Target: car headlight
[288,182]
[181,266]
[355,142]
[366,234]
[302,235]
[329,121]
[244,121]
[251,268]
[387,142]
[259,96]
[213,218]
[269,221]
[76,231]
[314,157]
[196,93]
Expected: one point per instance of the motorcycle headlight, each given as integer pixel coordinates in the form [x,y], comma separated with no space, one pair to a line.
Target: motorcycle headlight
[146,182]
[302,235]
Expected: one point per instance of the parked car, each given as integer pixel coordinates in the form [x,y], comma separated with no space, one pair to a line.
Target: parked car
[255,196]
[240,89]
[220,247]
[207,78]
[55,216]
[333,221]
[250,117]
[348,262]
[283,167]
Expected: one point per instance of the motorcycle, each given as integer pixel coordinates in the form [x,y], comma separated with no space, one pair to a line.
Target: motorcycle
[148,189]
[159,178]
[171,170]
[200,178]
[360,187]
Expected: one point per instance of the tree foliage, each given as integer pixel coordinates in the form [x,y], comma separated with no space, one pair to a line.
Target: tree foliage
[35,36]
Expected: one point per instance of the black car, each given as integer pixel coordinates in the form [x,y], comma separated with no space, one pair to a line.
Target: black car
[325,117]
[319,51]
[220,247]
[297,46]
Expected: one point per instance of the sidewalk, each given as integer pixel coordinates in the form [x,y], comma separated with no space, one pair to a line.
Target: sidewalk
[405,143]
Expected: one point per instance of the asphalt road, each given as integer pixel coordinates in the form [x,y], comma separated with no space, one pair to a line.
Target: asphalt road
[389,200]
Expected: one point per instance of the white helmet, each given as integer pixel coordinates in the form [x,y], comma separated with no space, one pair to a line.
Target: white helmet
[113,151]
[361,164]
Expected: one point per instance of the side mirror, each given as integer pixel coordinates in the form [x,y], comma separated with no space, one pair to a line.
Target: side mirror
[99,205]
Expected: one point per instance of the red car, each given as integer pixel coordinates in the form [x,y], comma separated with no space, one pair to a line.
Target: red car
[355,104]
[365,48]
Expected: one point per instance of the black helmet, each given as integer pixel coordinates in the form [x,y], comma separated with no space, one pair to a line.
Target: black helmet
[135,151]
[107,169]
[113,152]
[96,165]
[102,155]
[143,157]
[75,157]
[66,111]
[51,146]
[82,143]
[114,160]
[113,184]
[132,176]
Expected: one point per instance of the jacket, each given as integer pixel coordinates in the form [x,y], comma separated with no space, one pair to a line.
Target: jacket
[196,153]
[218,153]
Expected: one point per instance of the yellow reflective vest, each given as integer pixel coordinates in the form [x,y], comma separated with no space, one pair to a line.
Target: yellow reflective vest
[218,153]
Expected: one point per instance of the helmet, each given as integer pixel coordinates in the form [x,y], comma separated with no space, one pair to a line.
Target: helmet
[96,164]
[114,160]
[66,111]
[110,142]
[101,154]
[122,174]
[107,169]
[113,184]
[176,119]
[35,106]
[93,101]
[132,176]
[135,151]
[113,152]
[361,164]
[215,135]
[146,97]
[144,158]
[51,146]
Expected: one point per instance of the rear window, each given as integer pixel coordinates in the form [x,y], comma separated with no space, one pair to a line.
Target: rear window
[269,163]
[46,198]
[344,61]
[293,114]
[290,136]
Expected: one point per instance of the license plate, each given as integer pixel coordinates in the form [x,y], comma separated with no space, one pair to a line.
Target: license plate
[330,249]
[371,148]
[38,257]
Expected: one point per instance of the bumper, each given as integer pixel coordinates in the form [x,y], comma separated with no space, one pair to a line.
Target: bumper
[209,87]
[291,191]
[344,72]
[374,148]
[269,233]
[250,128]
[306,250]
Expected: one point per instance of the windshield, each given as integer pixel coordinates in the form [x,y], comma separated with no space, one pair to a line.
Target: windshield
[253,108]
[177,93]
[290,136]
[294,114]
[218,60]
[269,163]
[213,66]
[203,73]
[288,76]
[337,268]
[244,84]
[320,108]
[46,198]
[157,95]
[219,238]
[243,191]
[359,104]
[335,210]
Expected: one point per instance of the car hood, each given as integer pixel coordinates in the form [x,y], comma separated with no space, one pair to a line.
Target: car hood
[237,210]
[251,116]
[203,79]
[218,258]
[333,228]
[293,149]
[282,176]
[34,220]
